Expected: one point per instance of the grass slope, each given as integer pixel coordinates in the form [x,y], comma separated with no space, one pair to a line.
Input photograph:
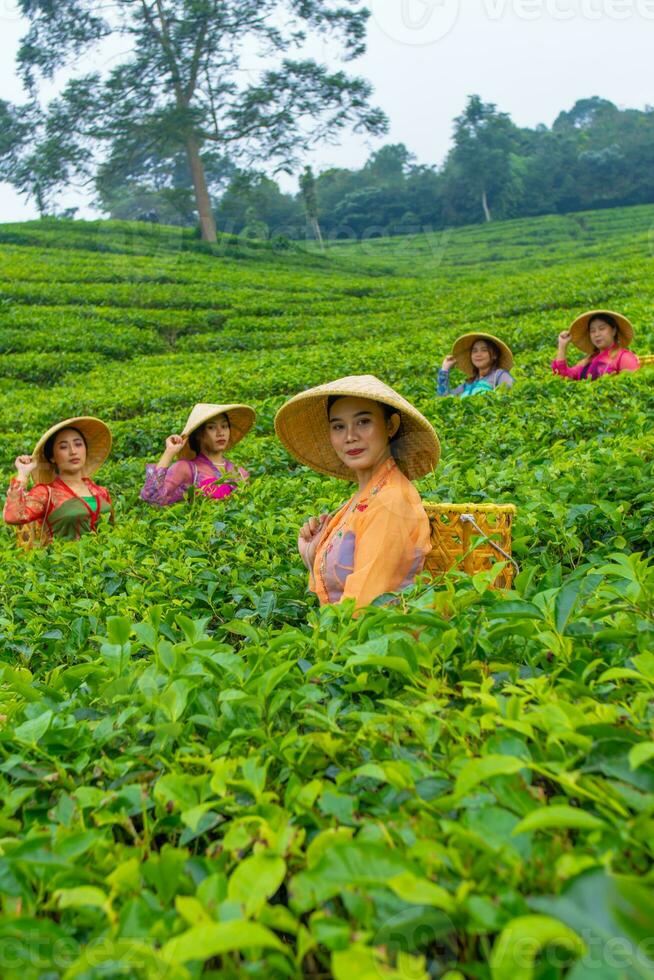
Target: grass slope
[203,775]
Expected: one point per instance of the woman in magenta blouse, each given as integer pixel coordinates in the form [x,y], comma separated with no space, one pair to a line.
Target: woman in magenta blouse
[210,431]
[603,336]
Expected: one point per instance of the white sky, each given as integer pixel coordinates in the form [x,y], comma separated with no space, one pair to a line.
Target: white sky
[531,57]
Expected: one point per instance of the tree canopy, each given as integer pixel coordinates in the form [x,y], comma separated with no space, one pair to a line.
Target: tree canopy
[207,79]
[593,156]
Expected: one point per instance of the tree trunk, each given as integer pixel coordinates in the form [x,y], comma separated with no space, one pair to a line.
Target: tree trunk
[40,202]
[484,204]
[202,199]
[317,232]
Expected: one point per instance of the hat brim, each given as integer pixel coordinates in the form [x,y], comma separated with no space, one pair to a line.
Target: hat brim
[241,419]
[580,330]
[463,345]
[98,446]
[302,425]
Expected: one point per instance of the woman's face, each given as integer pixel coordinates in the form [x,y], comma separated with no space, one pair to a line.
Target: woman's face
[601,333]
[481,356]
[360,433]
[214,435]
[69,451]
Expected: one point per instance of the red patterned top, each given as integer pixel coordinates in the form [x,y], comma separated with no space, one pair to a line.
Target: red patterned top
[61,513]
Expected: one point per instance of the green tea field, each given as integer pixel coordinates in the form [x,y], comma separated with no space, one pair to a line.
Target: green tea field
[202,774]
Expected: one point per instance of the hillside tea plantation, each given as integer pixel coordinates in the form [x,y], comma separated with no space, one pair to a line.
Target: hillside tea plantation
[204,775]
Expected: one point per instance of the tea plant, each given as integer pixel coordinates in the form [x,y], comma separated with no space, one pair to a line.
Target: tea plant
[203,774]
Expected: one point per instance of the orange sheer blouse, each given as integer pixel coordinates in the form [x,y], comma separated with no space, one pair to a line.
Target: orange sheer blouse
[374,544]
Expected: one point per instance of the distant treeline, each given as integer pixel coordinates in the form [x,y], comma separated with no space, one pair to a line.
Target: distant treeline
[594,156]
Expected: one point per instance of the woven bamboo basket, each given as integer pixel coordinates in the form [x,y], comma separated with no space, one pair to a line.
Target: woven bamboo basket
[646,360]
[471,537]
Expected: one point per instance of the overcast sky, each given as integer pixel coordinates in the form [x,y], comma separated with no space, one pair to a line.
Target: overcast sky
[533,58]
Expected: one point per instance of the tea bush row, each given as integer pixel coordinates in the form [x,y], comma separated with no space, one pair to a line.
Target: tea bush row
[202,774]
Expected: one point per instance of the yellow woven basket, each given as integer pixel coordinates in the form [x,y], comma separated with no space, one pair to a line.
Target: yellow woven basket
[646,360]
[454,528]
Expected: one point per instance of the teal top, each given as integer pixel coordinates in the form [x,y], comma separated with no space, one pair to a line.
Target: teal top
[476,387]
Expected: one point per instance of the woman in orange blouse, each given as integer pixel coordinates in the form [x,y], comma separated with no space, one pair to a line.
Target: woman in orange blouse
[64,502]
[359,429]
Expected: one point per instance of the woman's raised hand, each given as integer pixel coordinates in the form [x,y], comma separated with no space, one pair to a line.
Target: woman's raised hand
[174,445]
[309,538]
[25,465]
[449,362]
[564,338]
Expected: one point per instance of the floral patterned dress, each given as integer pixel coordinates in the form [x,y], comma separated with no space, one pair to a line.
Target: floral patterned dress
[168,485]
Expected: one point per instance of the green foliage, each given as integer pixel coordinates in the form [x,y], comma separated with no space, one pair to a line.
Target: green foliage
[202,773]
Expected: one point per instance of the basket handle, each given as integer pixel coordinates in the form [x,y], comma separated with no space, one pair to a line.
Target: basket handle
[469,519]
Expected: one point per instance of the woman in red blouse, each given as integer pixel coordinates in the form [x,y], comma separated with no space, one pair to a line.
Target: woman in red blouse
[64,501]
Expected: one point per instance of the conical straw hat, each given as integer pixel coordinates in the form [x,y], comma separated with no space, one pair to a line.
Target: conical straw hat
[98,446]
[241,419]
[462,347]
[302,425]
[580,330]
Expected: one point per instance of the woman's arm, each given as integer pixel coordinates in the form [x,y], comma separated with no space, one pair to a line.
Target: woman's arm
[309,538]
[23,506]
[504,378]
[106,495]
[628,361]
[561,367]
[560,363]
[443,383]
[166,485]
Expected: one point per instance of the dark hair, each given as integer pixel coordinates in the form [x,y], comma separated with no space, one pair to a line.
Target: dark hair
[194,438]
[48,449]
[388,410]
[495,354]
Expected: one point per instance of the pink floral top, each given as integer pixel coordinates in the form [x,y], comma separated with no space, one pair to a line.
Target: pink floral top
[167,485]
[610,361]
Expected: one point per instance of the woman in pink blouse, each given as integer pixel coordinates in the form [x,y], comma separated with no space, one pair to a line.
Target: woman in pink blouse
[210,431]
[603,336]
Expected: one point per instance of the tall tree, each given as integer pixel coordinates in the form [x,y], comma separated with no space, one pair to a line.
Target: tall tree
[187,77]
[483,141]
[310,200]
